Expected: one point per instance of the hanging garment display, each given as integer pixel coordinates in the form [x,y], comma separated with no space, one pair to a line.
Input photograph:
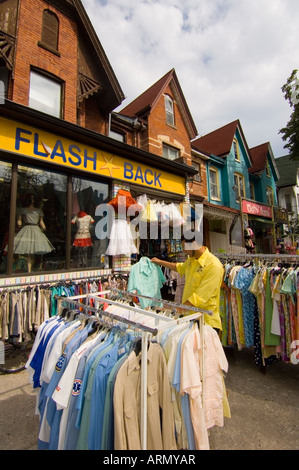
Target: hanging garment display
[88,373]
[123,201]
[31,239]
[260,308]
[82,237]
[146,278]
[121,240]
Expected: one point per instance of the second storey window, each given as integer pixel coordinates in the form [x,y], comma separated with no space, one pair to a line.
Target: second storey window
[171,153]
[270,196]
[196,165]
[236,150]
[214,184]
[50,30]
[169,110]
[45,94]
[239,186]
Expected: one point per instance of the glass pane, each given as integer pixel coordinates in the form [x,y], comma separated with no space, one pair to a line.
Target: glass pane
[45,94]
[40,238]
[5,179]
[88,243]
[169,110]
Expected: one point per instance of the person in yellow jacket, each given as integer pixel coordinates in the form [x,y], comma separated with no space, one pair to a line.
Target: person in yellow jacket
[203,278]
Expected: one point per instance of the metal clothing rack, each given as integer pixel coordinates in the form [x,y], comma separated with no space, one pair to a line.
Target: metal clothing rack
[260,256]
[146,331]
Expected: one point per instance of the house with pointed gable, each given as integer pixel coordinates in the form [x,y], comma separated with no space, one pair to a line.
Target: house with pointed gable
[159,121]
[241,192]
[227,182]
[263,175]
[58,91]
[267,222]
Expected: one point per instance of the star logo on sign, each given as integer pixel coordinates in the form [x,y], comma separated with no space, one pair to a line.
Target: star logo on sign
[109,165]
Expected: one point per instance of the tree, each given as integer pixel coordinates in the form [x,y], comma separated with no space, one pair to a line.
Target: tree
[290,133]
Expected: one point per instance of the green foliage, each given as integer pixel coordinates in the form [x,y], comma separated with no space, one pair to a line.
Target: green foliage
[290,133]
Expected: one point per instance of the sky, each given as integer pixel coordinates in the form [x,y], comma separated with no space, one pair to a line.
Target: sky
[231,57]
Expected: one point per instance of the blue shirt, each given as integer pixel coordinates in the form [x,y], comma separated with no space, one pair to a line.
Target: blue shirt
[72,432]
[53,414]
[176,382]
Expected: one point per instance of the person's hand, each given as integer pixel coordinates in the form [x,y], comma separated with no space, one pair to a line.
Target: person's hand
[155,260]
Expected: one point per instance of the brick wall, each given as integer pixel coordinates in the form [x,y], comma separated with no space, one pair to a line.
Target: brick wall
[65,67]
[30,54]
[160,132]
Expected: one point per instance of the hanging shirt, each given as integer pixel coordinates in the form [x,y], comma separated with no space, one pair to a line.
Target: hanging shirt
[127,403]
[203,279]
[146,278]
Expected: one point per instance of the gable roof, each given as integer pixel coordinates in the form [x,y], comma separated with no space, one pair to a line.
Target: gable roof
[259,159]
[218,142]
[288,170]
[145,103]
[110,92]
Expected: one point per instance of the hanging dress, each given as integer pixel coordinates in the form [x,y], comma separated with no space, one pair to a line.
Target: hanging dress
[31,239]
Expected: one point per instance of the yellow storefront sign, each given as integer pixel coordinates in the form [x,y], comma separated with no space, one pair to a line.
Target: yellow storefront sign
[35,143]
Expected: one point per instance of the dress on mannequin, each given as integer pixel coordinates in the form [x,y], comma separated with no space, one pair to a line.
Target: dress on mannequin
[82,239]
[31,240]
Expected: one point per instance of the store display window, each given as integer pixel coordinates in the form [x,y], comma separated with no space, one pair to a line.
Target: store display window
[88,249]
[52,218]
[40,236]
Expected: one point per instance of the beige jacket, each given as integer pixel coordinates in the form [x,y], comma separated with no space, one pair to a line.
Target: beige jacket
[126,400]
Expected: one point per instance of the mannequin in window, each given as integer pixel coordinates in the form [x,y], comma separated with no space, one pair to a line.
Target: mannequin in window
[82,239]
[31,240]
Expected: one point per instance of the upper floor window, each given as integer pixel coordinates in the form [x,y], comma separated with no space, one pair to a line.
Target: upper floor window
[169,110]
[270,196]
[196,166]
[171,153]
[239,186]
[236,150]
[117,136]
[288,202]
[214,183]
[45,94]
[50,31]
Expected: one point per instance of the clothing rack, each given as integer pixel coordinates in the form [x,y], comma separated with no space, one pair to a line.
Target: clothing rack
[260,256]
[50,283]
[146,331]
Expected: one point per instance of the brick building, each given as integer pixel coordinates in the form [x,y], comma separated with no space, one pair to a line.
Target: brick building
[56,144]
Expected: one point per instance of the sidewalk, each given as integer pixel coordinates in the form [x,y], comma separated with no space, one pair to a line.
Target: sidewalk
[264,408]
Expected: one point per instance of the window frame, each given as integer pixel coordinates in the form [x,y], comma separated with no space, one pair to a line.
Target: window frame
[216,184]
[237,186]
[171,148]
[55,80]
[170,118]
[16,168]
[270,195]
[50,22]
[236,149]
[252,191]
[197,177]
